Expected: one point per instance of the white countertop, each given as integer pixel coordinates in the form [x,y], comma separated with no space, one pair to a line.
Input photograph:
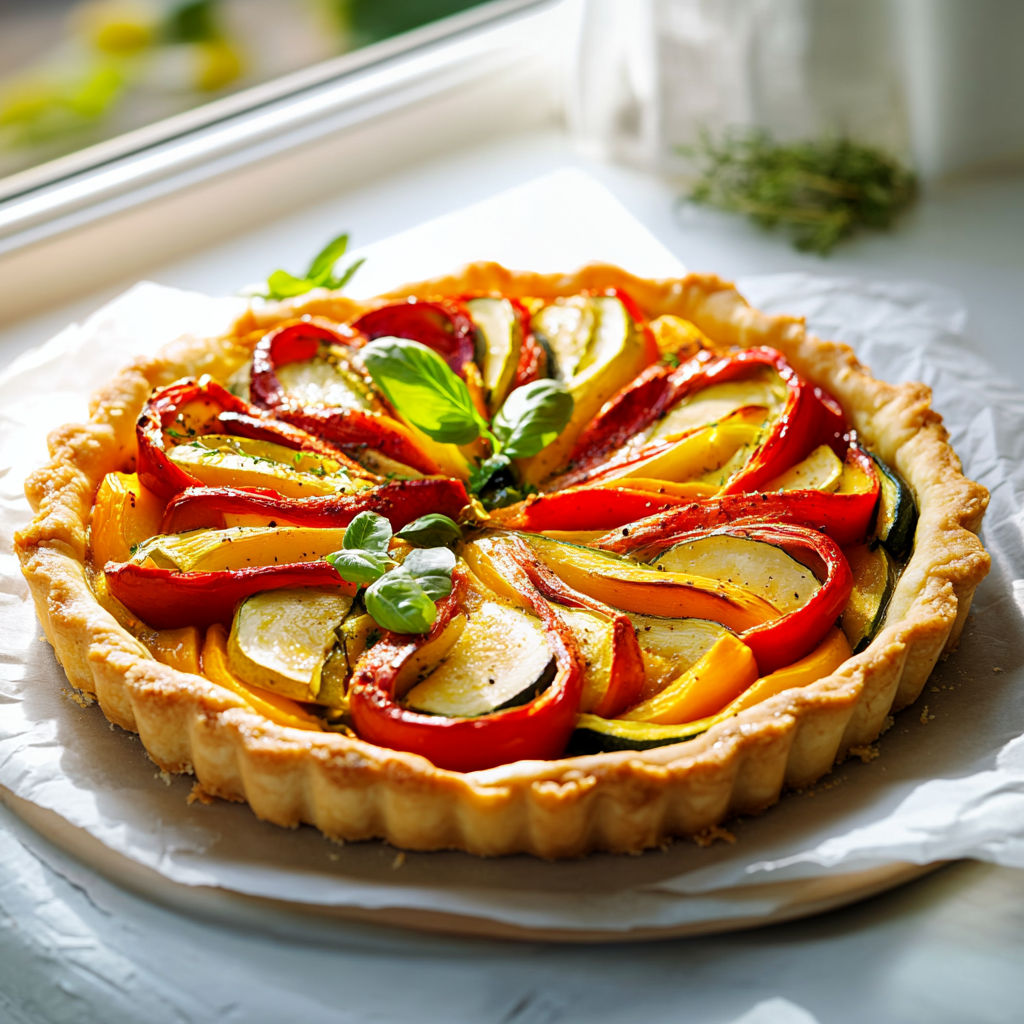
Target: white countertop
[75,947]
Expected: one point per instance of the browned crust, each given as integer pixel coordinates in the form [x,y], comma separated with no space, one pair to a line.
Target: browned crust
[620,802]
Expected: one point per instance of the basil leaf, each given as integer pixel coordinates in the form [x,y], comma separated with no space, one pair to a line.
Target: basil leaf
[360,566]
[398,602]
[429,562]
[369,531]
[532,417]
[435,587]
[430,531]
[324,260]
[432,570]
[282,285]
[480,476]
[419,384]
[337,283]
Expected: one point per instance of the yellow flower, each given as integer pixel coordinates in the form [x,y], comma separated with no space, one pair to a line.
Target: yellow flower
[219,64]
[119,28]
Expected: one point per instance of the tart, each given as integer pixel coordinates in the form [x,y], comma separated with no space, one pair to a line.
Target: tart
[650,558]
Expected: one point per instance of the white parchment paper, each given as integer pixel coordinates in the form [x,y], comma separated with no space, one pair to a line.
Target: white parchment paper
[948,782]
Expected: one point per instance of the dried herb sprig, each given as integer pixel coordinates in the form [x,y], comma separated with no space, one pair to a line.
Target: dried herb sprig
[820,191]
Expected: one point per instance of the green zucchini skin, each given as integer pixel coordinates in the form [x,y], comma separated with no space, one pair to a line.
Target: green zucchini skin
[874,579]
[896,519]
[595,735]
[533,691]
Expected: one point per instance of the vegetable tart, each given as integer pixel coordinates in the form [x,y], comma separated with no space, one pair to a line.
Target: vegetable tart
[504,562]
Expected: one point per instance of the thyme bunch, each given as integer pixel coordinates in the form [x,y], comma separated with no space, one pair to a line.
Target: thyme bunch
[818,190]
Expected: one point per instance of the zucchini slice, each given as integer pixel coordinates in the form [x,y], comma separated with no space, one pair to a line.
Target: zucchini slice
[221,460]
[595,735]
[238,547]
[713,403]
[334,677]
[820,471]
[760,568]
[564,329]
[671,646]
[356,635]
[897,511]
[874,577]
[501,660]
[498,324]
[325,382]
[280,639]
[594,634]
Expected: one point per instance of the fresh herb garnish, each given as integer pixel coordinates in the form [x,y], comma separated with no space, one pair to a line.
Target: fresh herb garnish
[532,417]
[398,597]
[369,531]
[282,285]
[432,569]
[419,383]
[398,602]
[359,566]
[364,555]
[430,531]
[820,191]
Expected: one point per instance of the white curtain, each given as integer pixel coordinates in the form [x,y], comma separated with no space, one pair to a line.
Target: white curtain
[937,81]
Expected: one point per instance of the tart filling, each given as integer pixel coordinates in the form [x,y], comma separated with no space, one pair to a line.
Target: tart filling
[507,521]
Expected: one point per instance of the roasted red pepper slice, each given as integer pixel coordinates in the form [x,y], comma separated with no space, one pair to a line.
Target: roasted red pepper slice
[261,428]
[441,325]
[809,418]
[166,599]
[583,508]
[400,502]
[291,343]
[538,730]
[345,427]
[791,637]
[216,411]
[846,518]
[627,667]
[155,469]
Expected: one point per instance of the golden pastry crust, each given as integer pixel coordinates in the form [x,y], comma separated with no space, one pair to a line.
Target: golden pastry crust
[624,801]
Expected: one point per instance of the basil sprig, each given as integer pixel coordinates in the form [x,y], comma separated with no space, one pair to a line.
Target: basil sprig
[398,597]
[398,602]
[420,384]
[532,417]
[403,600]
[430,531]
[432,569]
[360,566]
[282,285]
[364,550]
[369,531]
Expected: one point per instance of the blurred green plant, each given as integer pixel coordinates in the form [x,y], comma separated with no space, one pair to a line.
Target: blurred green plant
[71,97]
[113,50]
[372,20]
[819,191]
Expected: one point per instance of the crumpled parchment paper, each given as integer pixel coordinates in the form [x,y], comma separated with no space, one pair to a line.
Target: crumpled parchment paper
[948,781]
